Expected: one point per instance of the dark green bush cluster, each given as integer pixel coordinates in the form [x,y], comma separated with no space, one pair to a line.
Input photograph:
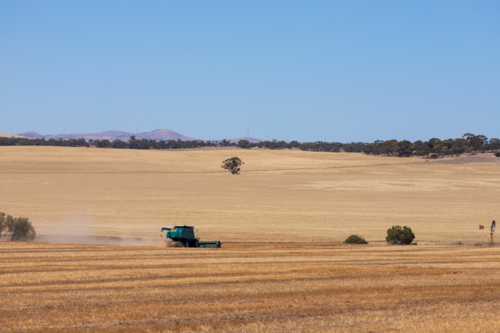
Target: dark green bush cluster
[232,165]
[398,235]
[18,228]
[434,148]
[355,239]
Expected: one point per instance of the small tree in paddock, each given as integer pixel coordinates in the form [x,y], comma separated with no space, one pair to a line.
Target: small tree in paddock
[232,165]
[398,235]
[22,230]
[355,239]
[19,229]
[497,154]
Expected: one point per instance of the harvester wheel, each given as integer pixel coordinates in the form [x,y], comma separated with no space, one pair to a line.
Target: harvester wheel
[195,243]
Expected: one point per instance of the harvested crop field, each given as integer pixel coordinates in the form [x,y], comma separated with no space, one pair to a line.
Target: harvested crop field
[249,288]
[281,267]
[281,196]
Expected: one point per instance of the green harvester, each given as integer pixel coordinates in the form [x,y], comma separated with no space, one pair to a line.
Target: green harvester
[185,236]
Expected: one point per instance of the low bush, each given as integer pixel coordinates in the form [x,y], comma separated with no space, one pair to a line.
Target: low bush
[355,239]
[3,225]
[18,228]
[398,235]
[497,154]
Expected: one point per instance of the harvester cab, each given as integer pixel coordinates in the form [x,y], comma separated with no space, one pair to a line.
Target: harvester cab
[185,236]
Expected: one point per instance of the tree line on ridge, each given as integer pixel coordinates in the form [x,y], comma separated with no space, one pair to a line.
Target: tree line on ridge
[433,148]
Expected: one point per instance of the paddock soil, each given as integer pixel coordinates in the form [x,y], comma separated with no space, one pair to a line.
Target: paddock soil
[282,266]
[280,196]
[249,288]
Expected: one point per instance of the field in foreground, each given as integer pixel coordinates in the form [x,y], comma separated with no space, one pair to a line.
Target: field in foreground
[249,288]
[281,196]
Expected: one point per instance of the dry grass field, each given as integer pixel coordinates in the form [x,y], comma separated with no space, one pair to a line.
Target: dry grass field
[281,267]
[281,196]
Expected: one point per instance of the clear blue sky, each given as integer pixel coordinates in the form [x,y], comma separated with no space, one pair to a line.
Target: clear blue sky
[303,70]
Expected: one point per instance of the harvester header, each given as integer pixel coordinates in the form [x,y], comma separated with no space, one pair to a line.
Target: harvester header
[185,236]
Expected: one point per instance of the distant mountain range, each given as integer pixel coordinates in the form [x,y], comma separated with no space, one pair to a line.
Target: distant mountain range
[160,134]
[9,135]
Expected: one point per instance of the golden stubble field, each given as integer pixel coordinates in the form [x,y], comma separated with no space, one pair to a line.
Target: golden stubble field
[281,196]
[281,267]
[249,288]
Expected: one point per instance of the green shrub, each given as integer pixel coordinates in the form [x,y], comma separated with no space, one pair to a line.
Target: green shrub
[22,230]
[232,165]
[19,229]
[355,239]
[497,154]
[3,224]
[398,235]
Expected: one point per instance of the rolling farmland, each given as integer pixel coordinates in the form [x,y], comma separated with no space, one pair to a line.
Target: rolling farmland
[281,196]
[281,267]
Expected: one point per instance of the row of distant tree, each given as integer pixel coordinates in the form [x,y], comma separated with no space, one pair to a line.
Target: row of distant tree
[308,146]
[134,143]
[433,148]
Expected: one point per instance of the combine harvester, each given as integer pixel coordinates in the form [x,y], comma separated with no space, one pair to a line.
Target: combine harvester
[185,236]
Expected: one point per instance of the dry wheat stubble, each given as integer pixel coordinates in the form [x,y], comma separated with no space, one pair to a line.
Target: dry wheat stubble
[312,197]
[245,287]
[282,196]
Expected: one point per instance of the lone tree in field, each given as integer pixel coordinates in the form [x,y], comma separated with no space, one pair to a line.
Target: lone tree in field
[18,228]
[398,235]
[232,165]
